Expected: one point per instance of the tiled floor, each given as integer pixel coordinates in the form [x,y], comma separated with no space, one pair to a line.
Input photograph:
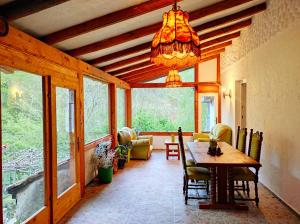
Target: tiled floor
[150,192]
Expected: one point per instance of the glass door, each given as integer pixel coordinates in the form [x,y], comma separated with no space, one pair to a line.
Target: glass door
[24,148]
[208,111]
[65,151]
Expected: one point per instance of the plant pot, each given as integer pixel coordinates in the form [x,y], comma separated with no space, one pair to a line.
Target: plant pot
[105,174]
[121,163]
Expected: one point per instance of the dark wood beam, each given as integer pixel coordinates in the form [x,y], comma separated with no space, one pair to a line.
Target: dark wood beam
[226,30]
[122,53]
[232,18]
[218,22]
[163,85]
[216,47]
[131,68]
[118,64]
[18,9]
[106,20]
[139,71]
[144,31]
[220,39]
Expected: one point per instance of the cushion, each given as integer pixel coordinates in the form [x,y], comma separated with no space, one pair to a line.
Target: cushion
[140,142]
[198,173]
[190,162]
[123,137]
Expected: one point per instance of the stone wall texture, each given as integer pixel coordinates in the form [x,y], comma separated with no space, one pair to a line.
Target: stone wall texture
[267,57]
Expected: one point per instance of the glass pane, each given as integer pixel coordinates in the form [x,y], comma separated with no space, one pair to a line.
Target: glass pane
[22,145]
[121,108]
[65,124]
[208,113]
[96,110]
[163,109]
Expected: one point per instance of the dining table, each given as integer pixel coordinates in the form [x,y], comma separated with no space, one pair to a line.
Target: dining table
[221,175]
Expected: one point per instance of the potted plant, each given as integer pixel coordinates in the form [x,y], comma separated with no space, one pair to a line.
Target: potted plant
[122,153]
[103,160]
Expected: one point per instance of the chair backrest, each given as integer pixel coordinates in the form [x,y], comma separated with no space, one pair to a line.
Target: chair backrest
[181,145]
[255,143]
[241,139]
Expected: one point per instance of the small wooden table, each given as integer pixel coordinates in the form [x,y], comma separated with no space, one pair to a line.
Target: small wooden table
[172,151]
[221,172]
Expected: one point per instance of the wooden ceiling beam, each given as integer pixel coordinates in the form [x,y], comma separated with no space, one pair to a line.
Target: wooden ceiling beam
[143,73]
[232,18]
[106,20]
[206,36]
[226,30]
[220,39]
[139,71]
[122,63]
[216,47]
[18,9]
[218,22]
[131,70]
[144,31]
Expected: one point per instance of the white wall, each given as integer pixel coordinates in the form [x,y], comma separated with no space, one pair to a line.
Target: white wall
[208,71]
[268,56]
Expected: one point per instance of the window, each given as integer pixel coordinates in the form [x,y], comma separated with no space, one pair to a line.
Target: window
[163,109]
[22,145]
[96,109]
[208,112]
[187,75]
[121,108]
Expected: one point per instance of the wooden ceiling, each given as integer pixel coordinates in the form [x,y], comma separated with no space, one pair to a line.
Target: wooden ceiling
[116,35]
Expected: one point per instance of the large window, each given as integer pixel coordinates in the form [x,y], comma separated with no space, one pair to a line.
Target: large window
[96,108]
[163,109]
[121,107]
[22,145]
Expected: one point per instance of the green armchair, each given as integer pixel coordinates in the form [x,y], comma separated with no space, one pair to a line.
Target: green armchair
[220,132]
[141,145]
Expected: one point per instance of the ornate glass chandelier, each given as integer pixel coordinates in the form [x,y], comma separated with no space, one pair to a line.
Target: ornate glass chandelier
[173,79]
[176,44]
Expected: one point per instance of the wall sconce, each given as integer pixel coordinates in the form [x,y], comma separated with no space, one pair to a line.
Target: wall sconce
[226,92]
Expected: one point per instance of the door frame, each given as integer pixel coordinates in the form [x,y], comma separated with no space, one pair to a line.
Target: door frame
[62,203]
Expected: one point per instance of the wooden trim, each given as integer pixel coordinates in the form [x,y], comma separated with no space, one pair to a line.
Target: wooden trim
[216,47]
[140,71]
[165,133]
[106,20]
[196,98]
[128,108]
[1,202]
[93,144]
[147,30]
[218,69]
[113,113]
[161,85]
[18,9]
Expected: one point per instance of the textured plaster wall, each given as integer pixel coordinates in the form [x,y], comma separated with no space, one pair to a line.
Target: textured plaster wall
[268,56]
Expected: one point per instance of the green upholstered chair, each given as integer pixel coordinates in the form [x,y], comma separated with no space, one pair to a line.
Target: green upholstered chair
[141,146]
[244,173]
[241,139]
[220,132]
[241,146]
[193,173]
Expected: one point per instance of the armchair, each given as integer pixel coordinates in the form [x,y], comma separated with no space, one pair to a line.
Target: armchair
[141,145]
[220,132]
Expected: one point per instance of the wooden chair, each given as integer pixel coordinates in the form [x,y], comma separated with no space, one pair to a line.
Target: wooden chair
[241,146]
[192,173]
[245,174]
[241,139]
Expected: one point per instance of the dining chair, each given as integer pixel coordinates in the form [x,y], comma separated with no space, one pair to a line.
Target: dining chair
[244,173]
[192,173]
[241,146]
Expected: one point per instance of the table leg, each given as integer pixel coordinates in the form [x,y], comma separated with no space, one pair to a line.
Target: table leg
[167,152]
[178,151]
[213,191]
[222,184]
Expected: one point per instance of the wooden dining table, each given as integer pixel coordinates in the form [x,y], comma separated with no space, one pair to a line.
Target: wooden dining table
[222,183]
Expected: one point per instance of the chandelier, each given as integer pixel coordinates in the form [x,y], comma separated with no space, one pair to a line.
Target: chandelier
[176,44]
[173,79]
